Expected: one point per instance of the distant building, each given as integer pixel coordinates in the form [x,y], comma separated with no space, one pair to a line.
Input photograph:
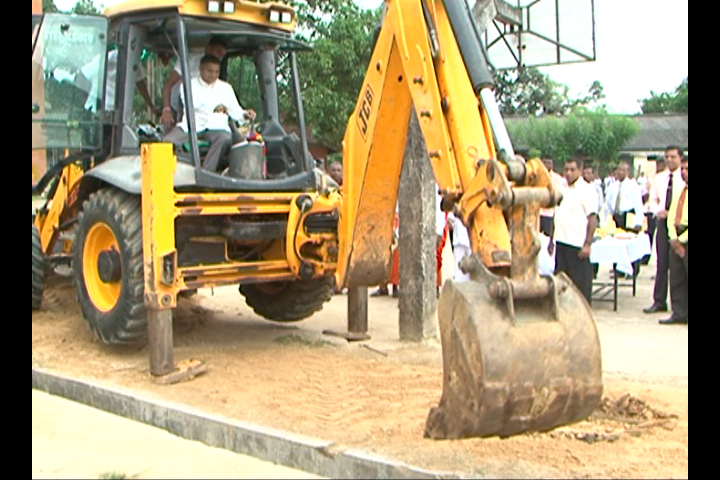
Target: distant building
[656,133]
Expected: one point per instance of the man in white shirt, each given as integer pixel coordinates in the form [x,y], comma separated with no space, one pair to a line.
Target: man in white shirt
[547,214]
[461,245]
[214,101]
[662,188]
[623,197]
[574,228]
[172,103]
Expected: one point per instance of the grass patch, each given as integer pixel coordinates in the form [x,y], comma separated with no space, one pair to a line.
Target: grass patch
[301,340]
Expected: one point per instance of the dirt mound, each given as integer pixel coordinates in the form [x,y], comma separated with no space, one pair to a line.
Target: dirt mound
[630,409]
[616,417]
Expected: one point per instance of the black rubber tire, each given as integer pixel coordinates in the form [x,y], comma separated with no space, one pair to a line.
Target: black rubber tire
[288,301]
[126,322]
[38,270]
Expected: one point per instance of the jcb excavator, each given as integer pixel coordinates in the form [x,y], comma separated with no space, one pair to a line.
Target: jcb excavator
[141,223]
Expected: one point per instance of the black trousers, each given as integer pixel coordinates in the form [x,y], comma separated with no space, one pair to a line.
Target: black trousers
[679,283]
[662,246]
[546,225]
[578,269]
[651,227]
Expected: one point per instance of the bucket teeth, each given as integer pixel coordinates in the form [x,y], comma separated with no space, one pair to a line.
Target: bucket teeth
[517,366]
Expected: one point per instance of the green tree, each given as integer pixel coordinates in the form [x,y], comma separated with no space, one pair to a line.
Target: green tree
[85,7]
[528,91]
[584,133]
[667,102]
[341,35]
[48,6]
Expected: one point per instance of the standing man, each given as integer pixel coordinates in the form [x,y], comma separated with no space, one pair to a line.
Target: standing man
[662,188]
[677,225]
[547,214]
[624,197]
[575,223]
[335,170]
[589,177]
[461,245]
[214,101]
[172,104]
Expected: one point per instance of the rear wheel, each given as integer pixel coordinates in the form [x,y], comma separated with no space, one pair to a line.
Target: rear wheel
[288,301]
[38,269]
[109,267]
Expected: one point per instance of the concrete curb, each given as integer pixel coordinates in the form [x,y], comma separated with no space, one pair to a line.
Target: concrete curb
[319,457]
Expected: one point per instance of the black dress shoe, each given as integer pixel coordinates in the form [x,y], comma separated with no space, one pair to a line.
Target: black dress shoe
[674,320]
[656,307]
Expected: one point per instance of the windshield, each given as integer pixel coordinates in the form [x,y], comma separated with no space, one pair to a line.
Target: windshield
[68,77]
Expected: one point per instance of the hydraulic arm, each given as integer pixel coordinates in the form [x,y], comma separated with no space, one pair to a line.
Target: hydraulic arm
[521,351]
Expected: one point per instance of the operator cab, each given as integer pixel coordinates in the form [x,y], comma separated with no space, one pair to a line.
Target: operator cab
[260,65]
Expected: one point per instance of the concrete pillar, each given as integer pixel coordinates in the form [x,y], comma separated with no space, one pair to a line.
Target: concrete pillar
[418,264]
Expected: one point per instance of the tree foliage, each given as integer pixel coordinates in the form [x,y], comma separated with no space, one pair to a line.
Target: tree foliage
[528,91]
[85,7]
[48,6]
[341,35]
[584,133]
[667,102]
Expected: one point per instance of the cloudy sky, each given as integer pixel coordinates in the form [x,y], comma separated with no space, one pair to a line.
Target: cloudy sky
[642,45]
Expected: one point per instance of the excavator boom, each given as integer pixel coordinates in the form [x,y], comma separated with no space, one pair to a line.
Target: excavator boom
[520,351]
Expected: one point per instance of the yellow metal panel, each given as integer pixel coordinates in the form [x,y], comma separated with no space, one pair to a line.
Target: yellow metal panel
[373,150]
[49,223]
[411,35]
[249,12]
[470,139]
[158,208]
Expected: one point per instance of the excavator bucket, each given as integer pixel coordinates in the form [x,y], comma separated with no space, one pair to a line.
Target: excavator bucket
[516,357]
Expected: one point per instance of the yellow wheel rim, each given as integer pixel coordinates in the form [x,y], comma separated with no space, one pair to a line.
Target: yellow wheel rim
[103,295]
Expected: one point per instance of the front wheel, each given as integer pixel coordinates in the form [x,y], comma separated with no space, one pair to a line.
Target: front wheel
[288,301]
[109,267]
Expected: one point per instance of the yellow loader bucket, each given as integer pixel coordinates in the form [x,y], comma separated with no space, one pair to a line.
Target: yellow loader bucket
[517,357]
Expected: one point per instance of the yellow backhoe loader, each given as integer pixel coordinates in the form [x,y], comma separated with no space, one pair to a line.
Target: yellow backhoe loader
[142,222]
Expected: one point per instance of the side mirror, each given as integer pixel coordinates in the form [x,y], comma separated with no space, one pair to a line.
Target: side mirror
[35,108]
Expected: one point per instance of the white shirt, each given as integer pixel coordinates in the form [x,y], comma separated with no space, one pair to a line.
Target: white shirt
[194,68]
[658,189]
[440,218]
[559,183]
[571,216]
[461,238]
[630,199]
[208,96]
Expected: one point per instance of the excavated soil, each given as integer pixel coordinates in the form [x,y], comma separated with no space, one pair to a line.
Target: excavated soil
[374,396]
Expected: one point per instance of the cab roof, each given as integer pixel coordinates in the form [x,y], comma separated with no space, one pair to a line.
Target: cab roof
[247,12]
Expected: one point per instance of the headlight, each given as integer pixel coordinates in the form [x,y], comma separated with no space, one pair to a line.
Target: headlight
[213,6]
[229,7]
[276,16]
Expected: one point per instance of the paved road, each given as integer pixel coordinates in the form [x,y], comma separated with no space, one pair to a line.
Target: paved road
[64,433]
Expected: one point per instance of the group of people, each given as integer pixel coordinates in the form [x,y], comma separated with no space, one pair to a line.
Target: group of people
[572,225]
